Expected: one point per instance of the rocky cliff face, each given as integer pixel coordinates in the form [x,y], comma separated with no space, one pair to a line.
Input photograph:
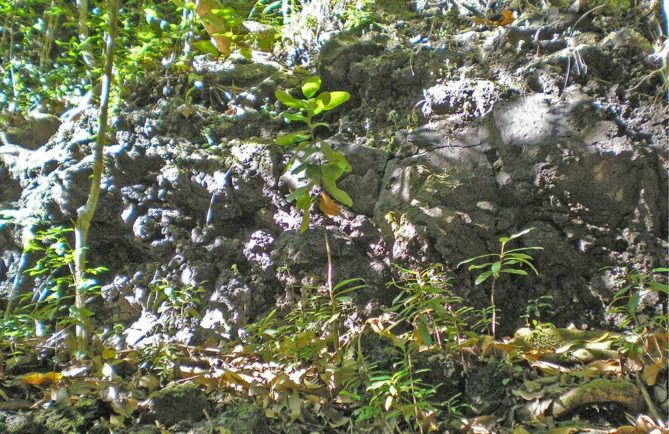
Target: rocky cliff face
[454,142]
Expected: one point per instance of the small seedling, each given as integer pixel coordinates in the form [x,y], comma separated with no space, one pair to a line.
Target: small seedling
[320,165]
[506,261]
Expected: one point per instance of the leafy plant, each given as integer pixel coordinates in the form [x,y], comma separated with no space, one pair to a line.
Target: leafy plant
[320,166]
[56,273]
[634,285]
[506,261]
[49,309]
[427,303]
[532,312]
[429,318]
[174,303]
[399,396]
[312,325]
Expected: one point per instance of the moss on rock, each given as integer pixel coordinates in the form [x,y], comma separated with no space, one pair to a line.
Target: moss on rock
[178,402]
[244,418]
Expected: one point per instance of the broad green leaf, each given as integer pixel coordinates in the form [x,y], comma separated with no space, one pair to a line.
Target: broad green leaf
[299,192]
[293,138]
[331,172]
[313,172]
[335,157]
[311,85]
[322,101]
[483,277]
[495,267]
[288,100]
[339,194]
[206,47]
[337,98]
[304,202]
[295,117]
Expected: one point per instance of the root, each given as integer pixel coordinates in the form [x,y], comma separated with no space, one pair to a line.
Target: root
[600,391]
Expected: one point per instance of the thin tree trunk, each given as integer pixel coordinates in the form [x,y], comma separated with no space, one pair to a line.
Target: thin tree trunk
[86,212]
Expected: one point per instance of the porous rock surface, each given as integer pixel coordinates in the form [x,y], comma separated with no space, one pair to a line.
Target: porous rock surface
[193,192]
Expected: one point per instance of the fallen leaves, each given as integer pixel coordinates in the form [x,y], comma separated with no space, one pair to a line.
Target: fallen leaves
[41,378]
[503,21]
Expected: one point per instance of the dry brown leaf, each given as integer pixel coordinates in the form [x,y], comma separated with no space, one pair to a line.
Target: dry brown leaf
[650,371]
[328,206]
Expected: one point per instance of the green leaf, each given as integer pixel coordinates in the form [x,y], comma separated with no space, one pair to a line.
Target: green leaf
[513,271]
[295,117]
[335,157]
[293,138]
[478,266]
[337,98]
[299,192]
[313,172]
[483,277]
[206,47]
[523,249]
[495,267]
[289,101]
[331,172]
[337,193]
[304,201]
[659,287]
[311,85]
[424,331]
[194,313]
[633,303]
[467,261]
[322,101]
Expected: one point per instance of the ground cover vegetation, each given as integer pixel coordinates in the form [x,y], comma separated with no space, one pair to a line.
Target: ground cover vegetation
[324,360]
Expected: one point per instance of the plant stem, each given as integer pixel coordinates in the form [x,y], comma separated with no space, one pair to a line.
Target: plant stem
[494,310]
[333,304]
[86,212]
